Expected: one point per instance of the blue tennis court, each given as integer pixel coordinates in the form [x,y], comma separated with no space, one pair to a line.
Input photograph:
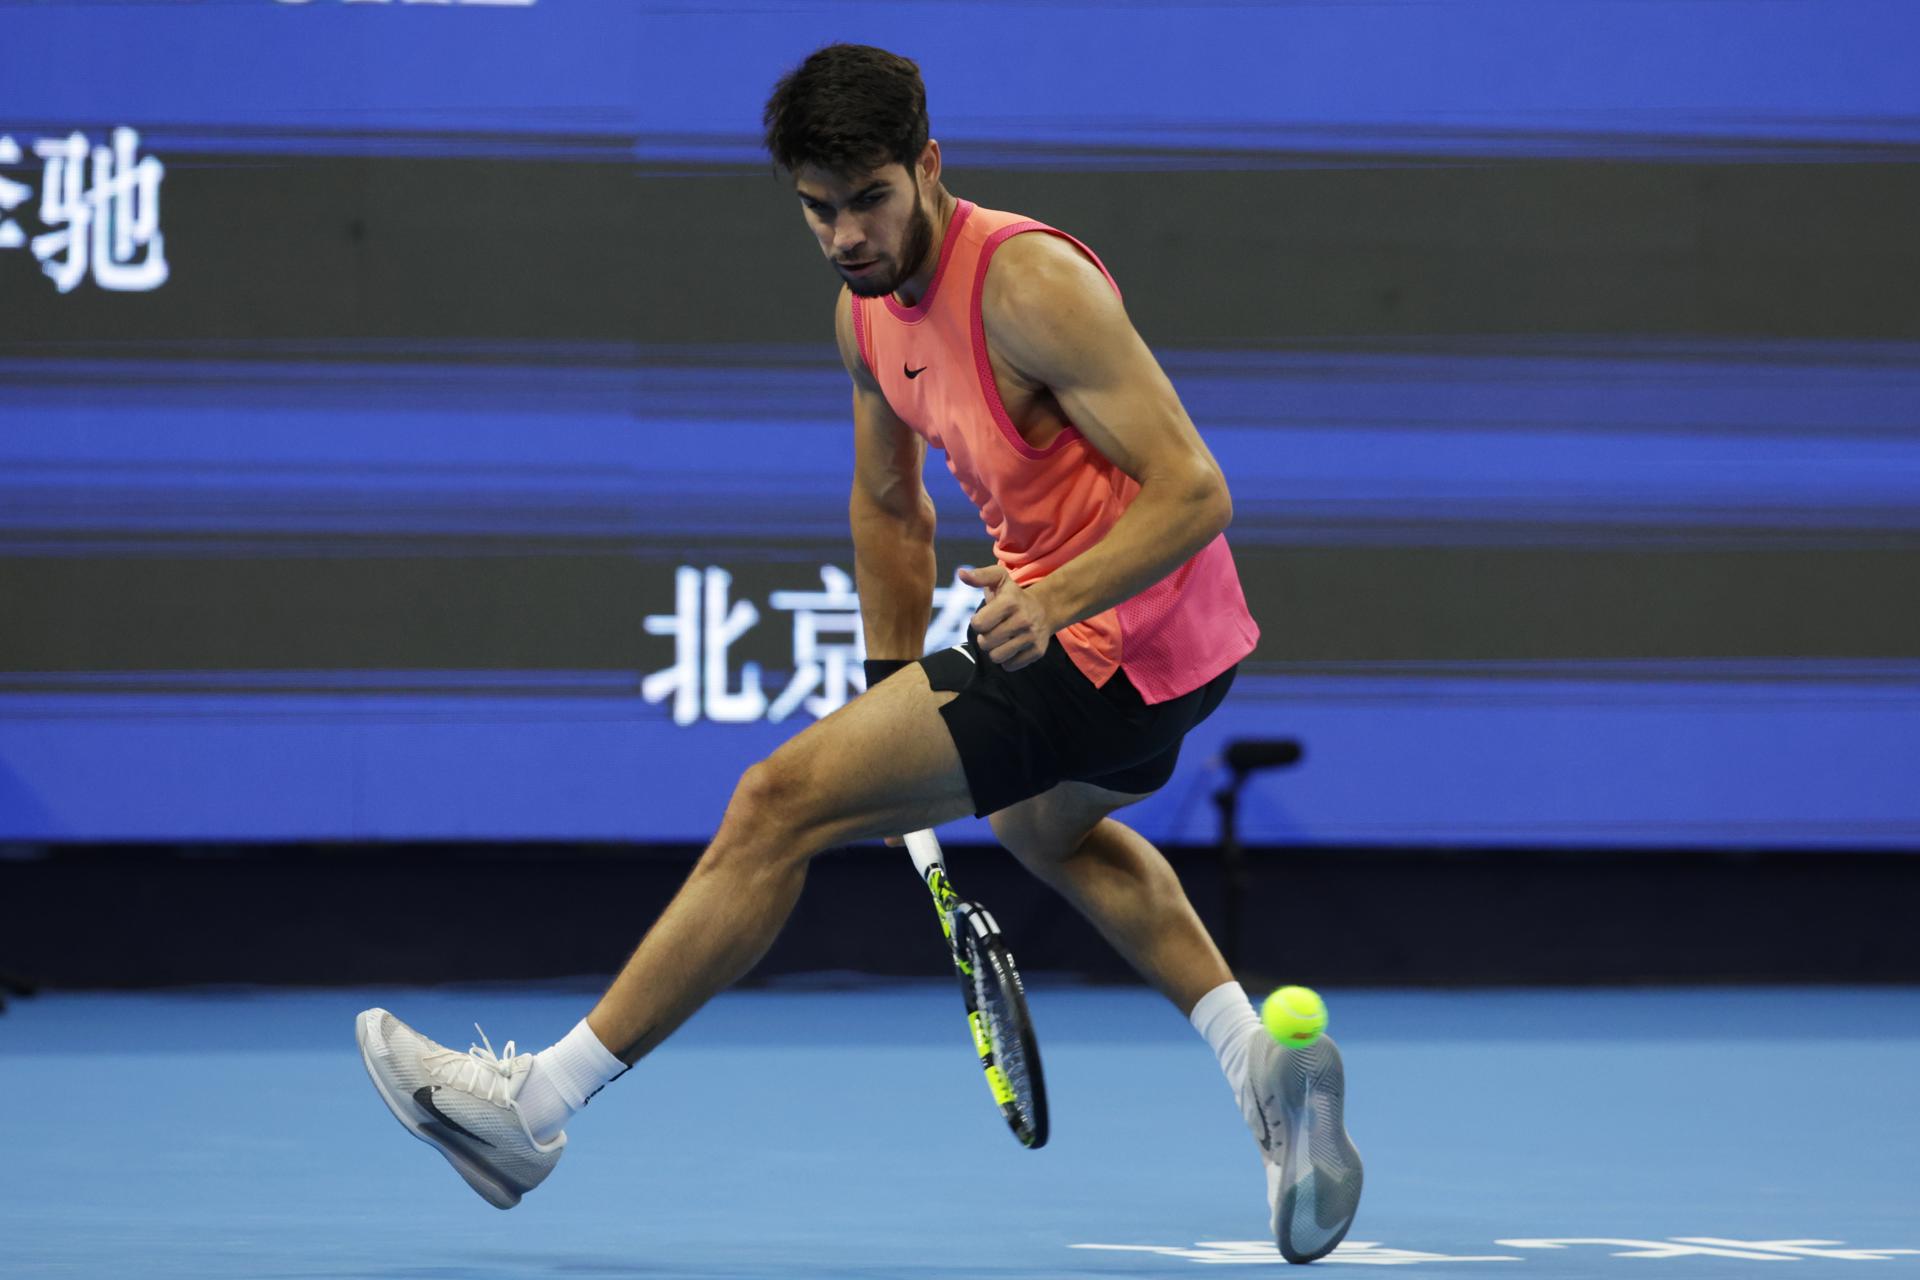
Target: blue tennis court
[841,1129]
[436,469]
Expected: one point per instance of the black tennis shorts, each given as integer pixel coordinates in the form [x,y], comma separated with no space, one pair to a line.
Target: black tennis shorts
[1022,732]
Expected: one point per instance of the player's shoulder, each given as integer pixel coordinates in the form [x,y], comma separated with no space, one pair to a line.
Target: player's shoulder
[1037,281]
[1040,271]
[1042,258]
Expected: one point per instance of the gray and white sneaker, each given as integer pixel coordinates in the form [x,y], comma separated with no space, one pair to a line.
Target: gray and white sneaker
[1293,1105]
[463,1104]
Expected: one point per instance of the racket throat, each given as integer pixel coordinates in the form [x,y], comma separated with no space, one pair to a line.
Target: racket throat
[947,907]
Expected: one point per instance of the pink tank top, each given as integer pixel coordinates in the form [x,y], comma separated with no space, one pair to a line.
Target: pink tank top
[1043,507]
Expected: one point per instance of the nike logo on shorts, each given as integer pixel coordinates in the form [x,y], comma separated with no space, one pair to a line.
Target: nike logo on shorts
[914,373]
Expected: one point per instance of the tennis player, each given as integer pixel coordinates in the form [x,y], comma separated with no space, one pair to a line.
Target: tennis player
[1113,623]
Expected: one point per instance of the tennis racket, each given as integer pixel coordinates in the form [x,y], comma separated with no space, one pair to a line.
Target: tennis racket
[996,1000]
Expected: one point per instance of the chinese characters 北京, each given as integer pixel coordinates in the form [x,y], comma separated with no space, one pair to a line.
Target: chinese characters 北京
[828,646]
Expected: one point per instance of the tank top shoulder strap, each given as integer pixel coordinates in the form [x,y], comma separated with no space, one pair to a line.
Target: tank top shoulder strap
[1014,225]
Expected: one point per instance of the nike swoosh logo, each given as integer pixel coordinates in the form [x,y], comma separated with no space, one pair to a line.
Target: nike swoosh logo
[423,1098]
[1266,1126]
[914,373]
[962,650]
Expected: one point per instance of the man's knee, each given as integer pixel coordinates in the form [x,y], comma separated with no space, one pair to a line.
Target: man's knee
[1041,840]
[768,814]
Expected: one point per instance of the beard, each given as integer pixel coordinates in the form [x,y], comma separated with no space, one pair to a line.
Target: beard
[913,254]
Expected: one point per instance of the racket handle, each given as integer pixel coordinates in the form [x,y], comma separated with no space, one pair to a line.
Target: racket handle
[924,848]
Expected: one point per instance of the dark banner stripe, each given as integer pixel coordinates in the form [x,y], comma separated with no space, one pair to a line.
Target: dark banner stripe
[409,249]
[582,609]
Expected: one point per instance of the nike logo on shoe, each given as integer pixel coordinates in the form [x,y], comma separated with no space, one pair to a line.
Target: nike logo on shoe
[914,373]
[423,1098]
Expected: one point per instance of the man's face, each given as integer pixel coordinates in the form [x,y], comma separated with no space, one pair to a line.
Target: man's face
[873,226]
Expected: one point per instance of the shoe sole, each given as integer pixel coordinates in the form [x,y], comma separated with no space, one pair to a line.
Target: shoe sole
[491,1190]
[1322,1172]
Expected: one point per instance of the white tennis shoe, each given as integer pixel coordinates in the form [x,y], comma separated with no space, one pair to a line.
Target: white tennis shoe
[463,1104]
[1294,1104]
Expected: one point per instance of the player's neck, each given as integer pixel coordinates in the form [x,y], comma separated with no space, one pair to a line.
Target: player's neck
[915,288]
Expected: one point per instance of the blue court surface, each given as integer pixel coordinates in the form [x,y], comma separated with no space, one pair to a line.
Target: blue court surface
[843,1130]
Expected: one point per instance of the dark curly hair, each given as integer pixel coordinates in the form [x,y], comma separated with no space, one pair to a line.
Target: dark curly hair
[849,108]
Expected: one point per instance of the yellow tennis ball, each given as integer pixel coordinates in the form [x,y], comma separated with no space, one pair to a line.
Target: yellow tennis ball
[1294,1016]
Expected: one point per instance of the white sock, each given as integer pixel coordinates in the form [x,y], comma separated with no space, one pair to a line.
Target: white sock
[1226,1018]
[564,1076]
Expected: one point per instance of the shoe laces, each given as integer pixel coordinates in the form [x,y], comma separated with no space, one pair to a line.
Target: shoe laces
[480,1071]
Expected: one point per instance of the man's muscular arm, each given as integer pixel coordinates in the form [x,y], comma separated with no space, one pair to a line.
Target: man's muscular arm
[1051,315]
[890,513]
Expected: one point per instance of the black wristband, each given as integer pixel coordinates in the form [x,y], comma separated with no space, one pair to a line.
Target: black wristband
[879,669]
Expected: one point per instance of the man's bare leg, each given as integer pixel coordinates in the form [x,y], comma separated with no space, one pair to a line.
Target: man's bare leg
[881,765]
[1120,882]
[1127,889]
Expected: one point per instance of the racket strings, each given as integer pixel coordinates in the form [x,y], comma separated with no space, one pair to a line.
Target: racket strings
[1009,1051]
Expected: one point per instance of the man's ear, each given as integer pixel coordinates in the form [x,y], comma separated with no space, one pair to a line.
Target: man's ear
[929,162]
